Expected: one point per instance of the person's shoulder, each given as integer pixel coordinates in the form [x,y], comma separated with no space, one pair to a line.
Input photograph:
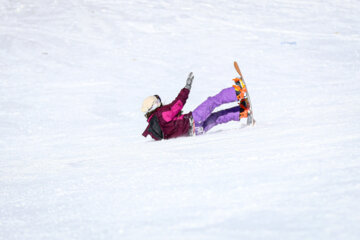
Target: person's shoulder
[163,108]
[160,112]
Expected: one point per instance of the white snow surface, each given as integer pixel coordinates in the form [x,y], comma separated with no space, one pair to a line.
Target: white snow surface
[73,163]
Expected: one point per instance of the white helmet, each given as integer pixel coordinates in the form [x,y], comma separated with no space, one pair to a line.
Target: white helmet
[150,103]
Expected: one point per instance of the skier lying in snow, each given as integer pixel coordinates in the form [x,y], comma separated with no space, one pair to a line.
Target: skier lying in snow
[166,121]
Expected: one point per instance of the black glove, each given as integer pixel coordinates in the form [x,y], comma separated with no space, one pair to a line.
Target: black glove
[189,81]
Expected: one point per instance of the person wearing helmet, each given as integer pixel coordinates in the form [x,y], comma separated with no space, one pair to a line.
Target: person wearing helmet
[167,121]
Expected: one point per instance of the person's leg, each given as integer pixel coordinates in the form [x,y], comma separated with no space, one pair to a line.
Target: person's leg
[203,111]
[220,117]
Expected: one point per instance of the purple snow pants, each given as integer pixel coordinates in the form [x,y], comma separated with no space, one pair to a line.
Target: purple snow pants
[204,117]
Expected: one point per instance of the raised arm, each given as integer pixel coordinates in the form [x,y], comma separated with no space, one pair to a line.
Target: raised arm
[179,102]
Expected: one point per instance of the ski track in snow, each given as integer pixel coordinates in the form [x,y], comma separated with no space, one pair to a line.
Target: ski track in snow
[73,163]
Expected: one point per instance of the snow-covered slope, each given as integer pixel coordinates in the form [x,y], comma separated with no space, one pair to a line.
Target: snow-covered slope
[73,163]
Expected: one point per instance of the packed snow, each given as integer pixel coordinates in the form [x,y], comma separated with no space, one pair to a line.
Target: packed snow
[73,163]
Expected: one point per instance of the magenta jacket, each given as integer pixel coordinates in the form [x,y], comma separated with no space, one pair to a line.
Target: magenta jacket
[166,122]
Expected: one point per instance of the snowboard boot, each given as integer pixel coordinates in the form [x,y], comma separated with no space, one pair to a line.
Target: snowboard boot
[240,89]
[244,108]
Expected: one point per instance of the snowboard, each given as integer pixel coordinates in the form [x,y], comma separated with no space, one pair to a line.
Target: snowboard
[243,94]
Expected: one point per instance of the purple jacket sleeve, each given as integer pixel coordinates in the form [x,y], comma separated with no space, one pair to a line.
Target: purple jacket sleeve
[176,106]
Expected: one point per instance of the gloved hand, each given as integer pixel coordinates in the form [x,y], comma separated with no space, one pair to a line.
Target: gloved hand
[189,81]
